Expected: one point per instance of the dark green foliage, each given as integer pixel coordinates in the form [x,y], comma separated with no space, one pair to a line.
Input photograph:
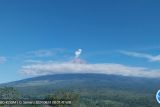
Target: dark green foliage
[7,93]
[65,95]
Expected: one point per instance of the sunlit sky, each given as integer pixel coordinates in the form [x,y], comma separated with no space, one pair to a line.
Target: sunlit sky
[48,32]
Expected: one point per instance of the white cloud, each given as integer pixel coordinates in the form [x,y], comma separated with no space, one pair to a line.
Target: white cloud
[3,59]
[152,58]
[32,61]
[78,65]
[44,52]
[104,68]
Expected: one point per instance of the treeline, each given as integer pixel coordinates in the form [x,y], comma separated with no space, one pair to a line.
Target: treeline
[9,93]
[90,99]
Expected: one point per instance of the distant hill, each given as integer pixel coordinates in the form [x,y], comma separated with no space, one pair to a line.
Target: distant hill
[121,90]
[91,81]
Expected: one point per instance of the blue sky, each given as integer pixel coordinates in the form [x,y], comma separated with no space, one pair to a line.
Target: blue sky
[122,32]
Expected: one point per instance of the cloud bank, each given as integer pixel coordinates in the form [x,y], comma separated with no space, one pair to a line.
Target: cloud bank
[77,65]
[151,58]
[104,68]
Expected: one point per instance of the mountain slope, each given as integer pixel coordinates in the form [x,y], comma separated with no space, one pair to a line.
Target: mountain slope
[90,80]
[104,89]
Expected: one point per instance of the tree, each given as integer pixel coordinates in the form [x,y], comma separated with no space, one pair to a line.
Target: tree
[9,93]
[64,95]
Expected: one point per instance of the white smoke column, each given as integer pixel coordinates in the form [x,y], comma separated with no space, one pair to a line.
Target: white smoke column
[78,53]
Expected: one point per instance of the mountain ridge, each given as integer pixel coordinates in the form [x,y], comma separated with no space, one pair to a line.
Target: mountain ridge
[89,79]
[67,76]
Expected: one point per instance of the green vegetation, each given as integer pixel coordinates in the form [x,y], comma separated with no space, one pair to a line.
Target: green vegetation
[88,98]
[65,95]
[85,91]
[7,93]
